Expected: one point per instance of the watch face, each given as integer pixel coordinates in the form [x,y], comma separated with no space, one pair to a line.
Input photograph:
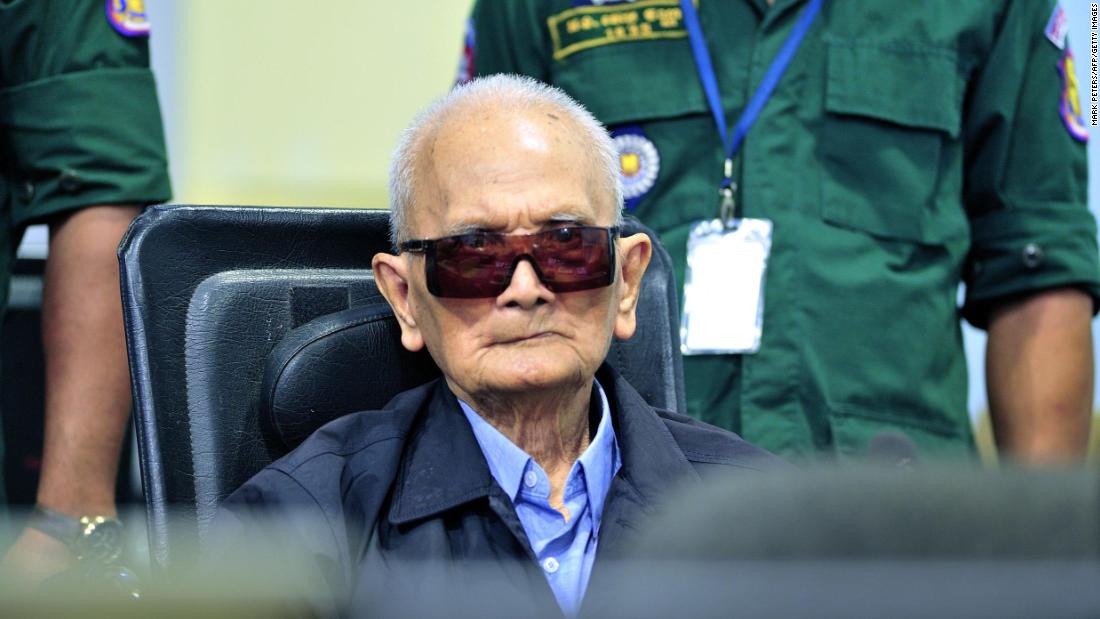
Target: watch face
[100,540]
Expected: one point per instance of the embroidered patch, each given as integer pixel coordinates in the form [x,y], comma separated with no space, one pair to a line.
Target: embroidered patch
[1057,27]
[639,163]
[128,17]
[1070,106]
[466,63]
[585,27]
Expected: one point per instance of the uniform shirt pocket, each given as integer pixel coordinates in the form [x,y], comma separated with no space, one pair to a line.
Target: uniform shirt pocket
[636,81]
[891,114]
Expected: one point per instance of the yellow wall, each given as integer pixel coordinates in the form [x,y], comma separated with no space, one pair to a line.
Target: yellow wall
[290,102]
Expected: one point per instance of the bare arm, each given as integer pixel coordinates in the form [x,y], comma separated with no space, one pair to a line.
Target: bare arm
[87,380]
[1039,375]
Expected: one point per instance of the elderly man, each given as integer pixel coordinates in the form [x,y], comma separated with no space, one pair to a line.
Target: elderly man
[529,452]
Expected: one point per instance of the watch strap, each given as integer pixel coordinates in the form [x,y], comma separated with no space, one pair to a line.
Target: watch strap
[97,539]
[57,525]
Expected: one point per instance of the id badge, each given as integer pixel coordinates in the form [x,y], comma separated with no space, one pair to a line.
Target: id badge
[724,287]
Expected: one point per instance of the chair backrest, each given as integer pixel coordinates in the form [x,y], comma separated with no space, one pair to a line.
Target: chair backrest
[250,327]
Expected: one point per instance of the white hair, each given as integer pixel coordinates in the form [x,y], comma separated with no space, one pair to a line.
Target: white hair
[502,92]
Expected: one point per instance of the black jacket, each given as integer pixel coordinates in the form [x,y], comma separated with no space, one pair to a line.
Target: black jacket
[376,499]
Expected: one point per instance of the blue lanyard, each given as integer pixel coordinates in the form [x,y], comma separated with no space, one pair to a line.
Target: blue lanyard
[764,91]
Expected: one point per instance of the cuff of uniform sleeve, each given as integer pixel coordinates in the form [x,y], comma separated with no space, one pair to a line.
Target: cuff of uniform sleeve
[1017,252]
[86,138]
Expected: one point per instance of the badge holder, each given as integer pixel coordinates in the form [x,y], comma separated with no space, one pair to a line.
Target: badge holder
[727,259]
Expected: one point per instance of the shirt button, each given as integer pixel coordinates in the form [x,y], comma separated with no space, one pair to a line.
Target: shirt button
[550,565]
[70,181]
[28,191]
[1032,256]
[530,479]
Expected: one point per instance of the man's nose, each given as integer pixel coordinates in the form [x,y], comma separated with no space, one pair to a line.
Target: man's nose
[526,289]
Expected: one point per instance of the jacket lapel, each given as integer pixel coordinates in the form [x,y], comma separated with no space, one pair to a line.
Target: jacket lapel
[653,467]
[443,465]
[653,463]
[444,469]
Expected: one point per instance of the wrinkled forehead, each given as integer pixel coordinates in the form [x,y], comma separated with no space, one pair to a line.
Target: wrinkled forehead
[509,169]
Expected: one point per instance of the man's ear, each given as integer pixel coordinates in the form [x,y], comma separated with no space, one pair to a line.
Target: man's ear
[634,254]
[391,274]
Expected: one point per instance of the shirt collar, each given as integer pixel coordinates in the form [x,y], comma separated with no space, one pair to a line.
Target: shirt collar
[507,462]
[601,461]
[444,467]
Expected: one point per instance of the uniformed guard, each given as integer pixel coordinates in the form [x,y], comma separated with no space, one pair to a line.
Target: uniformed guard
[878,153]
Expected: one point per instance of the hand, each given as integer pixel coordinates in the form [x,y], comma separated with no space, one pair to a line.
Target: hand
[34,558]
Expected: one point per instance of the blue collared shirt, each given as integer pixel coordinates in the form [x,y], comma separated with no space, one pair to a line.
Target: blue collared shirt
[565,550]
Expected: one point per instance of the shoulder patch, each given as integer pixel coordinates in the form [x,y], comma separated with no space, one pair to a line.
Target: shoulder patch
[1057,27]
[128,17]
[639,163]
[1070,105]
[606,23]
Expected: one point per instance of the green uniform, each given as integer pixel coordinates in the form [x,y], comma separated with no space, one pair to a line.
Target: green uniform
[909,147]
[79,120]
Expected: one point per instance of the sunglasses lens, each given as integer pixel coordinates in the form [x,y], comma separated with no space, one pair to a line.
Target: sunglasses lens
[573,259]
[472,266]
[480,265]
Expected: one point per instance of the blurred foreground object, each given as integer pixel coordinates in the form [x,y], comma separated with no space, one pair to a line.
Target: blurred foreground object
[940,541]
[825,544]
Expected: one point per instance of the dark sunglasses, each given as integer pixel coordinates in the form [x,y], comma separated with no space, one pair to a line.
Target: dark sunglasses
[480,264]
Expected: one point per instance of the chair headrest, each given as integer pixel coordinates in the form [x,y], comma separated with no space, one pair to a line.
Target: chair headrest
[317,372]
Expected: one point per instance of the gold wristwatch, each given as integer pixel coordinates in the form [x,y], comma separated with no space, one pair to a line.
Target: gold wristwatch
[96,539]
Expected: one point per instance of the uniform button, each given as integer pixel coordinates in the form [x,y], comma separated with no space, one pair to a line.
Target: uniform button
[977,268]
[550,565]
[28,191]
[530,479]
[70,181]
[1032,256]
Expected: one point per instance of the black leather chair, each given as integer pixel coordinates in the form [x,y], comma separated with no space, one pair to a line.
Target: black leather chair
[250,327]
